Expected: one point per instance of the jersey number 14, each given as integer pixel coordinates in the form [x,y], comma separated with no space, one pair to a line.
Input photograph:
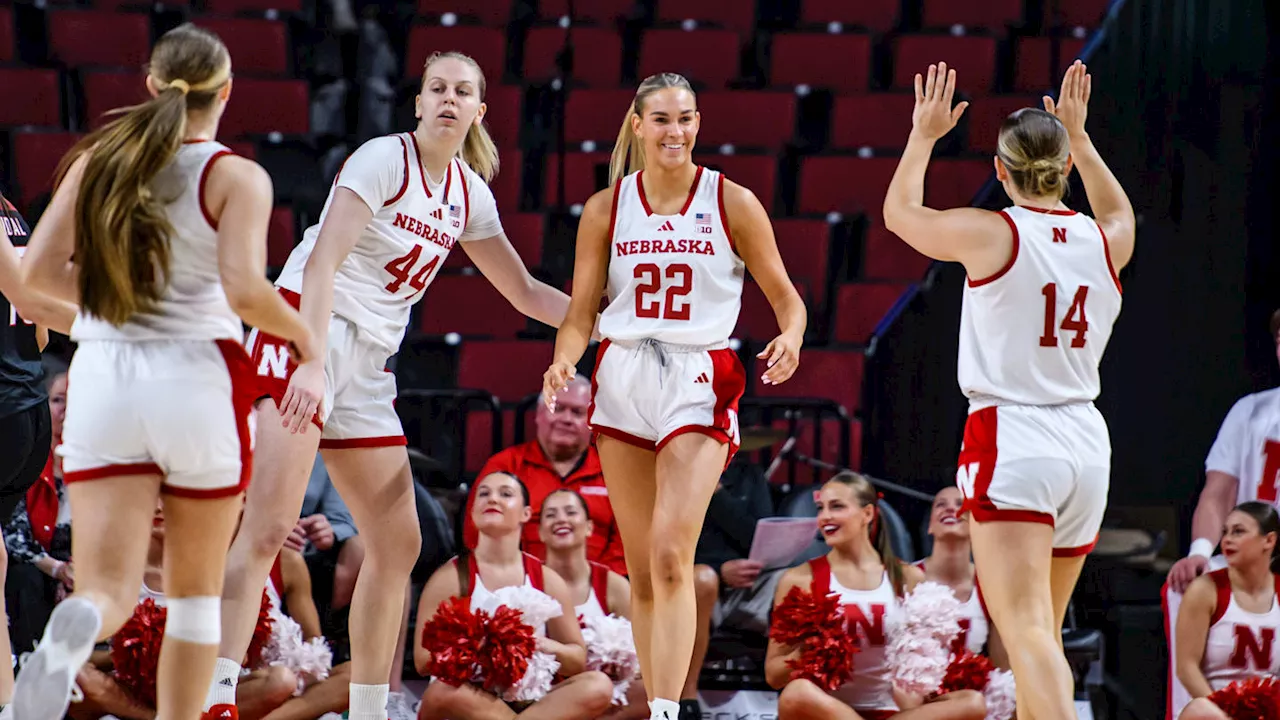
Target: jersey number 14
[1075,322]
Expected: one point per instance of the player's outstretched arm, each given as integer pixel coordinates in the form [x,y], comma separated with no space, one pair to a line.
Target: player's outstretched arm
[498,261]
[1111,206]
[590,269]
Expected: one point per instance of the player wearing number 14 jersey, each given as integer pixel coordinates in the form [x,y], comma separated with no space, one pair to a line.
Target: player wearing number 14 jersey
[397,208]
[1039,305]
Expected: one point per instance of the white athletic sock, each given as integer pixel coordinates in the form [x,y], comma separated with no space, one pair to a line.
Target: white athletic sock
[369,702]
[226,675]
[664,710]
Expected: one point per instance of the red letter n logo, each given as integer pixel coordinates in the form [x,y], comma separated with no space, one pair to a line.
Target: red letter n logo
[961,639]
[1060,235]
[870,632]
[1259,651]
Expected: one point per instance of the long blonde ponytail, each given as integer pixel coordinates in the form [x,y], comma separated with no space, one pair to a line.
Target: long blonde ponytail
[628,155]
[478,149]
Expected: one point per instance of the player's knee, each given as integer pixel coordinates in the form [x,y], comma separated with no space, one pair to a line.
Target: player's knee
[395,542]
[671,565]
[800,699]
[267,536]
[1202,709]
[641,588]
[706,584]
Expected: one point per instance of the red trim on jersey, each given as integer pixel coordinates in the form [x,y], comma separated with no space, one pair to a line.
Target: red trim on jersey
[1222,583]
[604,345]
[724,215]
[466,198]
[1076,551]
[982,601]
[110,471]
[194,141]
[269,386]
[644,201]
[600,584]
[728,382]
[422,171]
[821,569]
[404,184]
[532,571]
[979,447]
[244,389]
[1048,211]
[448,180]
[613,218]
[204,178]
[277,578]
[625,437]
[1106,249]
[1012,258]
[364,442]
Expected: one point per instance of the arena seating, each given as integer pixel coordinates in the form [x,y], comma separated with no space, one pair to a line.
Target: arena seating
[807,107]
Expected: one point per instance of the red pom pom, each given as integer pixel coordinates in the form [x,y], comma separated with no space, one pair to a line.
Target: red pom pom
[509,644]
[816,625]
[967,671]
[135,650]
[1257,698]
[826,660]
[454,636]
[261,634]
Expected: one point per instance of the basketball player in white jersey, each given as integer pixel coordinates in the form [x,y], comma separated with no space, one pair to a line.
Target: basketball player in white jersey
[1039,304]
[168,233]
[671,241]
[1230,617]
[1243,465]
[398,206]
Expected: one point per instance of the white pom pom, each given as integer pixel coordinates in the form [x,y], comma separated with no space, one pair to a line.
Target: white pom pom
[920,637]
[535,606]
[919,663]
[931,610]
[611,649]
[1000,694]
[309,660]
[537,680]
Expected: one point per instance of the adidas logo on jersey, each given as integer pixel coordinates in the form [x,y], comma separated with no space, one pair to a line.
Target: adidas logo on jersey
[702,378]
[437,214]
[667,227]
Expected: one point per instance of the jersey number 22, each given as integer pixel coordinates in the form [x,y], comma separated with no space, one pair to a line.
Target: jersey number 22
[649,282]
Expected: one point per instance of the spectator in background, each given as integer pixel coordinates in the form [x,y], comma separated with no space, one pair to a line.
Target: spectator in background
[38,539]
[560,457]
[326,535]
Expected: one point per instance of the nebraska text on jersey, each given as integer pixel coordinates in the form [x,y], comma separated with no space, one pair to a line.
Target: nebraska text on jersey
[643,247]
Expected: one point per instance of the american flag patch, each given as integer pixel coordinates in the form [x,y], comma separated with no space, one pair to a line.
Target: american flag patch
[702,219]
[455,211]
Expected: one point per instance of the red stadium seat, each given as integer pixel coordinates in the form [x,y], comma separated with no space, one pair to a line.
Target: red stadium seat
[709,58]
[479,446]
[584,174]
[469,306]
[987,114]
[877,15]
[488,46]
[996,15]
[510,369]
[595,115]
[105,91]
[756,321]
[8,45]
[236,7]
[90,37]
[506,185]
[737,16]
[524,230]
[860,307]
[35,158]
[747,119]
[259,107]
[831,374]
[953,183]
[1035,69]
[495,13]
[879,120]
[837,62]
[597,55]
[601,11]
[1077,13]
[757,173]
[504,115]
[887,257]
[41,98]
[282,235]
[972,57]
[256,46]
[844,184]
[805,246]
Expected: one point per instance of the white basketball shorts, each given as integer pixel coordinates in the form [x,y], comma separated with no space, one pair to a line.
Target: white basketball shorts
[359,392]
[1048,464]
[178,408]
[648,392]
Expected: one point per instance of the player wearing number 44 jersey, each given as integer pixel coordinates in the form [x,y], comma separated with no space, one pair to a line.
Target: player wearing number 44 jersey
[397,208]
[1039,306]
[670,243]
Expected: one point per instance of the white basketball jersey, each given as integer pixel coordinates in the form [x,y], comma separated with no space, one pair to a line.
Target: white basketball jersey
[1241,644]
[415,224]
[1034,333]
[193,305]
[1248,447]
[674,278]
[870,615]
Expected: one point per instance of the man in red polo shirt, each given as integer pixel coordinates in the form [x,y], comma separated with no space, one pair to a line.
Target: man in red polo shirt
[561,456]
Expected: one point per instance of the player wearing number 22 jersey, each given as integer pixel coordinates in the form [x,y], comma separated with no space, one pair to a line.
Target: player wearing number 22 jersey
[416,222]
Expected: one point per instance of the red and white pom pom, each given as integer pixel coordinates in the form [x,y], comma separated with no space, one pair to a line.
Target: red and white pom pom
[536,681]
[611,649]
[310,660]
[1257,698]
[535,608]
[920,637]
[1001,695]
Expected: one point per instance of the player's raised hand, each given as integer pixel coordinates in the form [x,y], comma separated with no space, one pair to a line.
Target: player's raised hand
[933,116]
[1072,106]
[555,379]
[782,357]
